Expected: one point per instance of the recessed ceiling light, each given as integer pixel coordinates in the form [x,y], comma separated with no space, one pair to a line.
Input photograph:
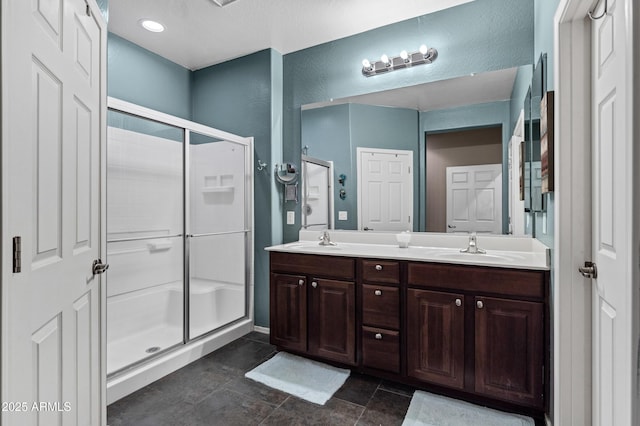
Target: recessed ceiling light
[222,2]
[153,26]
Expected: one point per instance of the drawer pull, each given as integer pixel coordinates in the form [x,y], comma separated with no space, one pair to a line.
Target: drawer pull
[479,304]
[378,267]
[300,282]
[378,336]
[378,293]
[314,284]
[458,302]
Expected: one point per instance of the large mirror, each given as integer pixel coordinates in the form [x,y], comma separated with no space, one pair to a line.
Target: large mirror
[439,139]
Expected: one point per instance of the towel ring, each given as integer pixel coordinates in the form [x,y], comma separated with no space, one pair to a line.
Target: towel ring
[602,15]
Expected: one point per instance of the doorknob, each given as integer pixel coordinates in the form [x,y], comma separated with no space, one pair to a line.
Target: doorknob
[99,267]
[451,226]
[366,228]
[589,270]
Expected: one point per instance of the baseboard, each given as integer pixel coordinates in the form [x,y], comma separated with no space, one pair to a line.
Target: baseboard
[130,381]
[263,330]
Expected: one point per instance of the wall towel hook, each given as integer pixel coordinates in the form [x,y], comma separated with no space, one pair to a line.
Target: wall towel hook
[603,14]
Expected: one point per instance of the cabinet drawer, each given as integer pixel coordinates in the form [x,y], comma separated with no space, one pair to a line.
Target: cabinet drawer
[381,306]
[317,265]
[379,271]
[381,349]
[507,282]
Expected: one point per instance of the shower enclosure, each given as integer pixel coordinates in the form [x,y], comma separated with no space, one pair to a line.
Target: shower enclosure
[179,233]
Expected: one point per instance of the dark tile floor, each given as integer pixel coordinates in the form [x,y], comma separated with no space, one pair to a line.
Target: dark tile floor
[213,391]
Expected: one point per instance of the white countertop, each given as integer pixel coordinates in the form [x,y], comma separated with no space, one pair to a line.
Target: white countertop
[502,251]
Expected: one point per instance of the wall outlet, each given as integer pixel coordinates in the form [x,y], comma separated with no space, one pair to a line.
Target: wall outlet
[342,215]
[291,218]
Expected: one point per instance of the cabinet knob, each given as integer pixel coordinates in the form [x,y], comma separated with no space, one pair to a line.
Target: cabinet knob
[378,336]
[314,284]
[378,293]
[300,282]
[479,304]
[378,267]
[458,302]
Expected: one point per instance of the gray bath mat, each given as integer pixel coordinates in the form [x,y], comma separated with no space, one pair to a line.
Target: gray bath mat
[301,377]
[427,409]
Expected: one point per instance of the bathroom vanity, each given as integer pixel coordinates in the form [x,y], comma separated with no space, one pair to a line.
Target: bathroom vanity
[472,326]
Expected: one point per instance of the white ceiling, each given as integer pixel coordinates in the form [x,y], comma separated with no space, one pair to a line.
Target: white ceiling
[469,90]
[199,33]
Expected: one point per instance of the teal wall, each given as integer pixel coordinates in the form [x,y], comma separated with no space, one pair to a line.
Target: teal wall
[139,76]
[468,117]
[483,35]
[236,96]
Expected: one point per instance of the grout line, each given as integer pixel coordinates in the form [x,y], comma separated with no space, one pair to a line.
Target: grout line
[274,410]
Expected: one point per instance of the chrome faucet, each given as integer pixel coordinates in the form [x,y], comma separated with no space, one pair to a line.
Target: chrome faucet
[473,245]
[325,239]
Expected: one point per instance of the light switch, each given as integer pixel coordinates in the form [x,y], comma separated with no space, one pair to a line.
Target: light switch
[291,217]
[342,215]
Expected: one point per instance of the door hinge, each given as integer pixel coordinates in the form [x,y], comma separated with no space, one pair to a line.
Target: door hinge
[88,8]
[17,255]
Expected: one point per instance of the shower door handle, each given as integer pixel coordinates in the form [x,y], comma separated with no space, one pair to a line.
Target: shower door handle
[98,267]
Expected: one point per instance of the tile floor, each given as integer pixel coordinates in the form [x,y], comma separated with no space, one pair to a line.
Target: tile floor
[213,391]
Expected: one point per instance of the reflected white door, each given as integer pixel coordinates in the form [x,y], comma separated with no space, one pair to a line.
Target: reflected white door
[53,114]
[317,195]
[474,198]
[613,366]
[385,189]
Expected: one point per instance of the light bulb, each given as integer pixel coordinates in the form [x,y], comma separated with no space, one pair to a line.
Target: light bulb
[423,49]
[404,55]
[385,59]
[153,26]
[366,63]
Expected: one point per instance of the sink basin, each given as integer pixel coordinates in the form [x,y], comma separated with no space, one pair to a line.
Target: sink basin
[310,246]
[475,257]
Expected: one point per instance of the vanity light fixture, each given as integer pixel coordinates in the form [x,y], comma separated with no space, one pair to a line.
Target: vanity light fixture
[150,25]
[222,3]
[425,55]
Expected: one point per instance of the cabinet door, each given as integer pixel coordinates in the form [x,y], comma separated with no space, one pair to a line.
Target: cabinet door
[509,350]
[288,311]
[332,320]
[435,337]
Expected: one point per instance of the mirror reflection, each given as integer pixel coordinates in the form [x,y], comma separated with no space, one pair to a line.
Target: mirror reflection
[433,157]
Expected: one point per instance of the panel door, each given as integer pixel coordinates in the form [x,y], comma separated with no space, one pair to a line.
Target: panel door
[52,127]
[435,337]
[332,320]
[385,190]
[288,311]
[509,350]
[474,198]
[613,364]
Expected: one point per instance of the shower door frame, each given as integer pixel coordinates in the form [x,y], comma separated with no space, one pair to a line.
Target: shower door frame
[188,127]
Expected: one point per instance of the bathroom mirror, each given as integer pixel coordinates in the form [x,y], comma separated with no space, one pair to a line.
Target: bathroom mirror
[407,119]
[537,90]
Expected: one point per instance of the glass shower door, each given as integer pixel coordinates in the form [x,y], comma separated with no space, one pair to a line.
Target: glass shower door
[145,246]
[217,237]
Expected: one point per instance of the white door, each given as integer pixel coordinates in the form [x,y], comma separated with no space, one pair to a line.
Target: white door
[317,194]
[474,198]
[613,366]
[53,98]
[385,189]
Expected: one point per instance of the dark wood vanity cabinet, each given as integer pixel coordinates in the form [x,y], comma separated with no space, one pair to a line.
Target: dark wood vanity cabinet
[435,337]
[478,329]
[471,331]
[380,304]
[313,305]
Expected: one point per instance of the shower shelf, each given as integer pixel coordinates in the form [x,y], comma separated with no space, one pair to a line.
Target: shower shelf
[213,189]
